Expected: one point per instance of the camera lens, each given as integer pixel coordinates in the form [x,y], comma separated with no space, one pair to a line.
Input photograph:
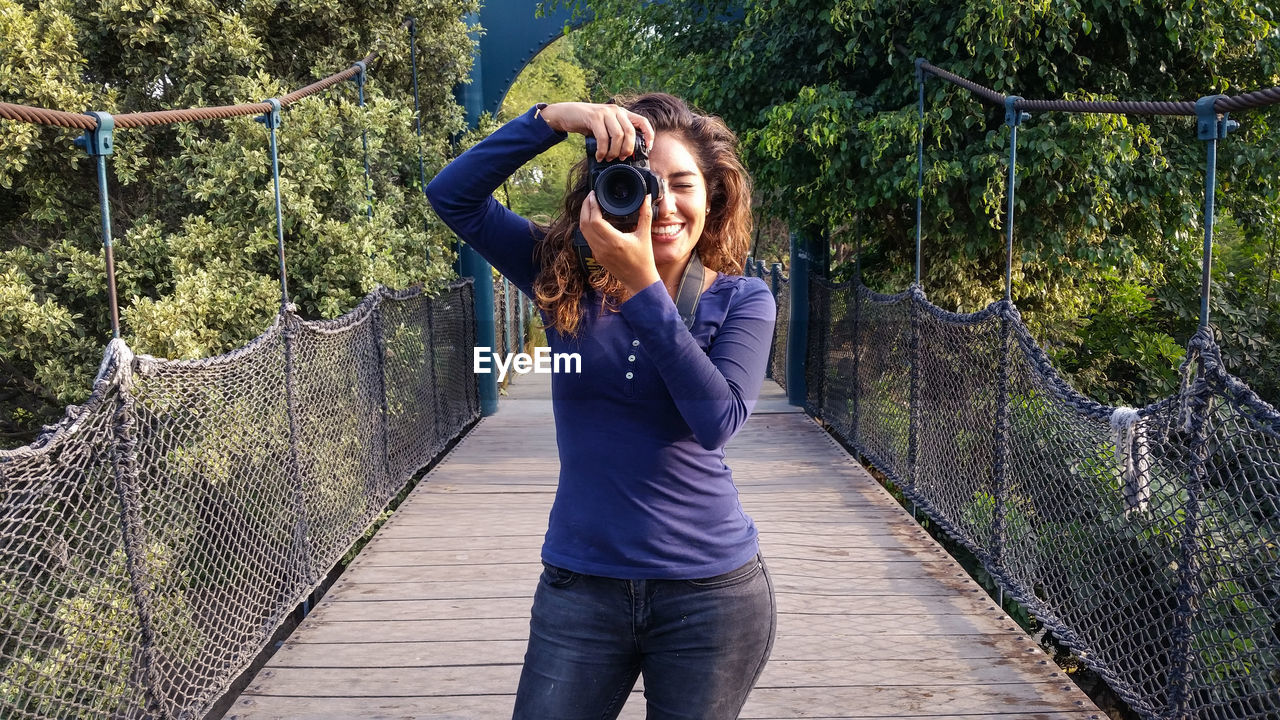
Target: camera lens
[620,190]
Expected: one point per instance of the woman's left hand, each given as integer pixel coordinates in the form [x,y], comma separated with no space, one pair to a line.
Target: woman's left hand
[627,256]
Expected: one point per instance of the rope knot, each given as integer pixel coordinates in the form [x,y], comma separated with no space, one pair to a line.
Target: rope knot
[117,364]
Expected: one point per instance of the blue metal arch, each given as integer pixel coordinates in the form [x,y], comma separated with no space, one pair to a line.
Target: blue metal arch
[513,35]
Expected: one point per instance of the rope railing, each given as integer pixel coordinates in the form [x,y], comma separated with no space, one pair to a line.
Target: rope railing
[1224,103]
[58,118]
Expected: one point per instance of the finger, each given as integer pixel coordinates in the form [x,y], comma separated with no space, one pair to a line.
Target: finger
[600,132]
[641,123]
[590,210]
[615,136]
[628,133]
[644,220]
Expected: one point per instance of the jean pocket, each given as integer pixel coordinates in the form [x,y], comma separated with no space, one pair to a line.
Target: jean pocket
[557,577]
[733,577]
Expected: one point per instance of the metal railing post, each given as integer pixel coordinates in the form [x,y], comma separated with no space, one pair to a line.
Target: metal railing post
[798,326]
[1000,457]
[99,143]
[359,79]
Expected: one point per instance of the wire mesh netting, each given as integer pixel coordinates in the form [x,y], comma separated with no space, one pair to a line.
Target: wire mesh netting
[776,367]
[513,316]
[152,543]
[1147,540]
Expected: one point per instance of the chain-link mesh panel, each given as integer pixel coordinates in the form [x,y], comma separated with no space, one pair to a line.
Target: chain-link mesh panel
[1234,663]
[1090,542]
[884,381]
[828,379]
[219,512]
[778,353]
[503,327]
[1147,539]
[153,543]
[415,432]
[340,435]
[955,411]
[70,641]
[453,337]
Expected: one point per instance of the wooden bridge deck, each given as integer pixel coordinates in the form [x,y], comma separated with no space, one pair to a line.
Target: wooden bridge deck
[875,620]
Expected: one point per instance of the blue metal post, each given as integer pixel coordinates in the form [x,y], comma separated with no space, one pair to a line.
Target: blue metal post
[364,137]
[798,330]
[1013,118]
[470,263]
[272,121]
[920,78]
[100,143]
[1210,129]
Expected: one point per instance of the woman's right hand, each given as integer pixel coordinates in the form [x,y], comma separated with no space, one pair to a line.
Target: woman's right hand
[613,126]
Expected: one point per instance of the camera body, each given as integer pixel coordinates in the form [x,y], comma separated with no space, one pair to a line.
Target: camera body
[622,186]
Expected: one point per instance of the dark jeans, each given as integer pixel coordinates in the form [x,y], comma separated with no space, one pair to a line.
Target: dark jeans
[700,644]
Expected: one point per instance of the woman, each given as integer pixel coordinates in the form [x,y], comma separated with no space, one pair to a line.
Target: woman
[650,565]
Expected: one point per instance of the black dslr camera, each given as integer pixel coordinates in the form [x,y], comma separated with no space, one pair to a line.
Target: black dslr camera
[622,186]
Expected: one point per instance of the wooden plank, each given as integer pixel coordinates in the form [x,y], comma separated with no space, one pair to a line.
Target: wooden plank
[369,677]
[301,652]
[874,619]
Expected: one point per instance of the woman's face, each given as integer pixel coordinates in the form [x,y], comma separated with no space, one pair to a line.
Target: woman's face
[680,216]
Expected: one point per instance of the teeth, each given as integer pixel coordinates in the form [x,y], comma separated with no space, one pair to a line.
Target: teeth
[667,229]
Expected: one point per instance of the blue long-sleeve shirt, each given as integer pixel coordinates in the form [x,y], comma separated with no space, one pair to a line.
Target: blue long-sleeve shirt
[644,491]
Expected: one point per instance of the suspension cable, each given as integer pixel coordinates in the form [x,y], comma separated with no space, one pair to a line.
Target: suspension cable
[77,121]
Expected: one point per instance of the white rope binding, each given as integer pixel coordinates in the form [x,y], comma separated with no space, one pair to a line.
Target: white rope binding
[1131,452]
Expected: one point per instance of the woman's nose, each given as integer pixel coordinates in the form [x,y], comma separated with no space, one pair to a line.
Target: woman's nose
[666,204]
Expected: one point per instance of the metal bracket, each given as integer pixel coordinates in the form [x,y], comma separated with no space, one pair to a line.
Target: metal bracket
[359,76]
[920,69]
[1208,125]
[100,140]
[1012,116]
[271,118]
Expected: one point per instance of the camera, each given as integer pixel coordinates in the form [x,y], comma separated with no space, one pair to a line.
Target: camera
[622,185]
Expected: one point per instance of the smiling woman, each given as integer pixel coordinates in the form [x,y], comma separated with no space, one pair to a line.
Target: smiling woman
[652,567]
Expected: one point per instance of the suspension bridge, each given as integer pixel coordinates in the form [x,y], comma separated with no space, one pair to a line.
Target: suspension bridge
[155,540]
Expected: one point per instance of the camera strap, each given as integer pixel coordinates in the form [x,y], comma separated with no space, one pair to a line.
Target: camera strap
[690,290]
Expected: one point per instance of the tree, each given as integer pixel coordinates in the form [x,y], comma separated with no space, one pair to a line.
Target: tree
[192,207]
[1108,206]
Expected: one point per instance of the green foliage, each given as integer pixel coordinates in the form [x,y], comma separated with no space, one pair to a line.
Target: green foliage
[193,213]
[1108,206]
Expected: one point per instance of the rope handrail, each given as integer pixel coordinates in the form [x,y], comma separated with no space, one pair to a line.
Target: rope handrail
[59,118]
[1247,101]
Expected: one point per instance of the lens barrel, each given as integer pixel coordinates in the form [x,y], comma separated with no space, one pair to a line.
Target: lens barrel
[620,190]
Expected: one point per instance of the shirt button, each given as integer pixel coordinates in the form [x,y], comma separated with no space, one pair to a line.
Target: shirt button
[631,358]
[635,343]
[630,375]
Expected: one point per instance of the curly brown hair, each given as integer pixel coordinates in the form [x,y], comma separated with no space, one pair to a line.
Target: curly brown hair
[560,283]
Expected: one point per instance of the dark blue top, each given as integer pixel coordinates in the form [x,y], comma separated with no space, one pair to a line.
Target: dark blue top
[644,492]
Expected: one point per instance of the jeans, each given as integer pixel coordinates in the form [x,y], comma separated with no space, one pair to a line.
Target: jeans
[700,644]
